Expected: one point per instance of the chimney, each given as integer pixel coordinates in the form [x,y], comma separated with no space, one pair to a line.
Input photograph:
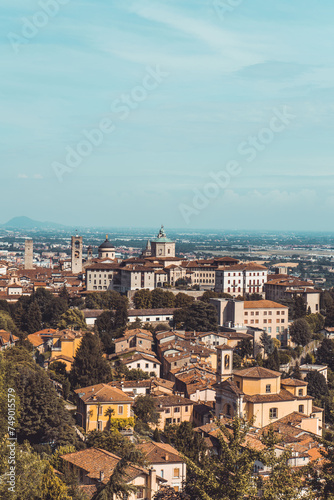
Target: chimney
[152,481]
[166,457]
[101,476]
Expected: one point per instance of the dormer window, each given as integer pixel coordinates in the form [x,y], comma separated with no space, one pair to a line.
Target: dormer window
[300,392]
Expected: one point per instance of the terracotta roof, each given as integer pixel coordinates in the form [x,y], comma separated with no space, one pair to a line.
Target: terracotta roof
[293,382]
[257,372]
[96,460]
[283,395]
[262,304]
[7,336]
[102,393]
[160,453]
[172,401]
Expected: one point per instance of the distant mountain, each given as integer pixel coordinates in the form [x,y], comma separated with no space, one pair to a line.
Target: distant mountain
[27,223]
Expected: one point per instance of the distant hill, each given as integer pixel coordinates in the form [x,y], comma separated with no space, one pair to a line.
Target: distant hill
[27,223]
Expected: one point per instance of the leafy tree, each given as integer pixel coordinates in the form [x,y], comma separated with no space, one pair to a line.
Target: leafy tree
[298,308]
[325,353]
[227,476]
[43,417]
[112,440]
[89,366]
[245,348]
[34,318]
[317,385]
[56,461]
[273,361]
[323,483]
[135,324]
[52,488]
[297,373]
[210,294]
[145,409]
[316,322]
[189,442]
[123,372]
[117,485]
[121,313]
[283,483]
[168,493]
[103,300]
[183,300]
[300,332]
[142,299]
[161,299]
[7,323]
[156,435]
[72,318]
[267,343]
[199,316]
[29,470]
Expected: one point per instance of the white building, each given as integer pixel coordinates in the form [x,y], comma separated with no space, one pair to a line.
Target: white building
[167,463]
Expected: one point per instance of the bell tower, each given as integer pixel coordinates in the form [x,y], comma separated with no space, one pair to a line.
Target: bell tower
[224,362]
[76,255]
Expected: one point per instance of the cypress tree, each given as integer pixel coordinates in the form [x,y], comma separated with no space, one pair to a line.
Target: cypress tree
[89,366]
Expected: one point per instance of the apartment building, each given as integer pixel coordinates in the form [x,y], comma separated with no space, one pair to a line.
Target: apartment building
[240,279]
[266,315]
[289,287]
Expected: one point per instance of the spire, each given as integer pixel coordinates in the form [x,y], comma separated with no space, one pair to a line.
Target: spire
[148,245]
[107,236]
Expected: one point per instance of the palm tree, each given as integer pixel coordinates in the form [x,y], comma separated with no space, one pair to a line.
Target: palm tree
[109,413]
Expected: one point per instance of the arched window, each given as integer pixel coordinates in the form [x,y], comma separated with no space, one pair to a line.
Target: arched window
[227,361]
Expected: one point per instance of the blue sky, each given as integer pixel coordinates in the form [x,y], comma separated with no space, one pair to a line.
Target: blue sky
[226,72]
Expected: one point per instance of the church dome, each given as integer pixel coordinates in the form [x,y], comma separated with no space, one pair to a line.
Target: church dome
[106,245]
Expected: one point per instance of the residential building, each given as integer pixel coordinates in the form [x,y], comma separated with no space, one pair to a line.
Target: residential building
[265,315]
[7,339]
[288,287]
[240,279]
[151,315]
[137,338]
[167,462]
[95,400]
[173,410]
[309,368]
[93,467]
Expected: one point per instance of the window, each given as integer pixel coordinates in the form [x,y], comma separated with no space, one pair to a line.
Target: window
[162,473]
[269,329]
[273,412]
[140,492]
[168,420]
[99,410]
[167,410]
[146,365]
[177,410]
[301,408]
[154,365]
[300,392]
[186,409]
[138,365]
[246,313]
[99,425]
[176,472]
[268,388]
[120,410]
